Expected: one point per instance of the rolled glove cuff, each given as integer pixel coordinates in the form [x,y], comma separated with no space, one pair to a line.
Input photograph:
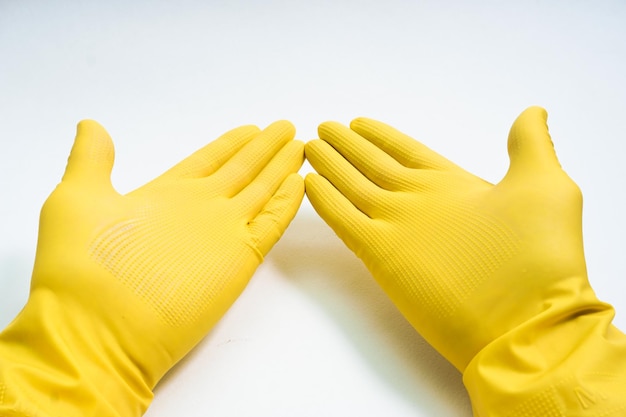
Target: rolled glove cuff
[53,364]
[556,365]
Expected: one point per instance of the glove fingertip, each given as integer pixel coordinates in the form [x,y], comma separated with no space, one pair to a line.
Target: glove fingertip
[311,148]
[328,202]
[283,128]
[298,146]
[327,128]
[310,181]
[92,154]
[529,144]
[361,122]
[270,224]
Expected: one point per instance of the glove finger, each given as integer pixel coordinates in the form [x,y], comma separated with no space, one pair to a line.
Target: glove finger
[256,195]
[530,146]
[209,158]
[246,164]
[92,155]
[404,149]
[272,221]
[358,189]
[347,221]
[372,161]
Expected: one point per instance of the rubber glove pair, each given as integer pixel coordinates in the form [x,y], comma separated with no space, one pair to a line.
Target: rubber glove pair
[492,276]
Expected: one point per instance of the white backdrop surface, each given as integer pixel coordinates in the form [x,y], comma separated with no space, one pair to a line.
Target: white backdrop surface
[312,334]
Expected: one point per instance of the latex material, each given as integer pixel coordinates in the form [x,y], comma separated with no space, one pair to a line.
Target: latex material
[493,276]
[125,285]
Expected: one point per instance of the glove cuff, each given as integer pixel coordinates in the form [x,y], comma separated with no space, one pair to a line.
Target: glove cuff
[53,362]
[559,364]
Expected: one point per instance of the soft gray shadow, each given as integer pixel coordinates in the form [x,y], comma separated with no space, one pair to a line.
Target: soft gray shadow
[319,264]
[15,272]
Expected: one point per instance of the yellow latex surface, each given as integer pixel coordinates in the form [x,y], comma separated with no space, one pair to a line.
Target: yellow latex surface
[492,275]
[125,285]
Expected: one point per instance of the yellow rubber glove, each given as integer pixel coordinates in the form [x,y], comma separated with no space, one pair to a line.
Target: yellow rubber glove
[125,285]
[493,276]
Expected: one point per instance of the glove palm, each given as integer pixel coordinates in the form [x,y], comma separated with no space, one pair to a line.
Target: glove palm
[493,276]
[125,285]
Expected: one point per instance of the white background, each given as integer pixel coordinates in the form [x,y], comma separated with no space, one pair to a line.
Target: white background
[312,335]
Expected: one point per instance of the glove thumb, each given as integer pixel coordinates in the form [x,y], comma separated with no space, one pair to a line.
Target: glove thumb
[92,155]
[530,146]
